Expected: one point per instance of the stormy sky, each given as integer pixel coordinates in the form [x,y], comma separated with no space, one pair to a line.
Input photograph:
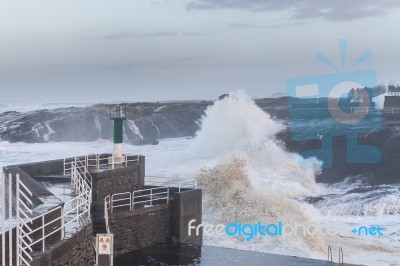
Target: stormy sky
[137,50]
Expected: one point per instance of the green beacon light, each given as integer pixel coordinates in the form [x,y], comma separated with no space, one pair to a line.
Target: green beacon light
[118,115]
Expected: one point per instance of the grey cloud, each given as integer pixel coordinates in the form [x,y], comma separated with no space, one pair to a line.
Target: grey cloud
[305,9]
[276,25]
[133,34]
[244,25]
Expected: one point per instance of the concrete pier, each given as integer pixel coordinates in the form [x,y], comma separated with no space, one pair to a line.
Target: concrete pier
[154,229]
[147,224]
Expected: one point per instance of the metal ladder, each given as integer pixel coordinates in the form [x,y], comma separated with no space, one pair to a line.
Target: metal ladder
[330,257]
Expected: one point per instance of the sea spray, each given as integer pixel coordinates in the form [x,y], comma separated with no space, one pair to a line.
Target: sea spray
[229,197]
[256,179]
[237,126]
[234,123]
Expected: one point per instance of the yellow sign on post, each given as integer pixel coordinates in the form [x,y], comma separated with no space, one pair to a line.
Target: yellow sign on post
[104,244]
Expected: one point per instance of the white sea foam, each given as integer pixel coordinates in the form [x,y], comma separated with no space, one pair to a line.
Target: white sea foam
[273,179]
[50,131]
[135,130]
[98,125]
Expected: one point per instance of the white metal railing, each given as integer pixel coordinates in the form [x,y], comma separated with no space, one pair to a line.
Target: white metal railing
[362,110]
[188,184]
[101,162]
[79,212]
[96,162]
[3,216]
[184,184]
[75,211]
[144,197]
[120,200]
[76,214]
[122,160]
[393,93]
[68,166]
[79,207]
[107,207]
[147,196]
[23,213]
[26,238]
[330,257]
[79,183]
[81,173]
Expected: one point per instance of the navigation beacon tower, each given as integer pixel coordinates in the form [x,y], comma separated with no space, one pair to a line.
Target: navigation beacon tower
[118,115]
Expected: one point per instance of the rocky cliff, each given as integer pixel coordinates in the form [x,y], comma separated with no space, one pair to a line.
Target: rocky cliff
[144,121]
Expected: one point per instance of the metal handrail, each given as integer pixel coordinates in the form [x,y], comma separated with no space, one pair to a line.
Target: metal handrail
[188,184]
[125,157]
[392,110]
[20,242]
[83,167]
[107,207]
[102,163]
[149,193]
[124,199]
[330,258]
[82,181]
[96,159]
[79,183]
[82,201]
[68,166]
[132,160]
[99,162]
[24,235]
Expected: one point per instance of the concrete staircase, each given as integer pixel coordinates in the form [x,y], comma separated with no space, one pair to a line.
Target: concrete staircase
[99,224]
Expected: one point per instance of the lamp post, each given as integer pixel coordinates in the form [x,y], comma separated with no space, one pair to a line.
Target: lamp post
[118,115]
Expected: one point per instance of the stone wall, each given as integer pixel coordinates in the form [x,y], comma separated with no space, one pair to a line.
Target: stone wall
[43,168]
[77,250]
[186,206]
[119,180]
[140,228]
[159,224]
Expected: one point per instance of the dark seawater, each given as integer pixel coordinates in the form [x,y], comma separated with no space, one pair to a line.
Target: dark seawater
[174,254]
